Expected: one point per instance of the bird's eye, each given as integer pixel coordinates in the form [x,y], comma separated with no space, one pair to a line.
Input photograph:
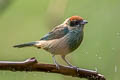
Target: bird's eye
[74,23]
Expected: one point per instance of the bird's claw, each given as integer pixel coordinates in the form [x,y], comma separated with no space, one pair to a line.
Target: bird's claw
[75,67]
[57,66]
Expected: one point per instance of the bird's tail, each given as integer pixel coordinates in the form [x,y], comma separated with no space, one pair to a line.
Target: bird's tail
[26,45]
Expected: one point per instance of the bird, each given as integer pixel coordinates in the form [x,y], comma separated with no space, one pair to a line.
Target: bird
[61,40]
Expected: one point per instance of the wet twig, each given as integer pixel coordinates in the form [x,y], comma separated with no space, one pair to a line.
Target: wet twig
[32,65]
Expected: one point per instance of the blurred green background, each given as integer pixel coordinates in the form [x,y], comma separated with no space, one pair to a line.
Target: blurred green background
[28,20]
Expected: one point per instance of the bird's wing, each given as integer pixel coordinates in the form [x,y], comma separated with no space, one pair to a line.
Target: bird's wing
[56,33]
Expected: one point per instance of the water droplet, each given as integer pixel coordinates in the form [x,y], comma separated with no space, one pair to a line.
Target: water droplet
[115,68]
[118,34]
[86,52]
[96,55]
[113,49]
[99,57]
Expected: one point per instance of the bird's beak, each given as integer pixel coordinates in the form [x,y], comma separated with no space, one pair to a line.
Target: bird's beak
[84,22]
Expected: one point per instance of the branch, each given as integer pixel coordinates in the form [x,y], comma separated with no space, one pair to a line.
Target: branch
[31,64]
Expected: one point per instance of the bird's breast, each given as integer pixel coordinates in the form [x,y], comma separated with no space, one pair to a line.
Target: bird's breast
[74,39]
[66,44]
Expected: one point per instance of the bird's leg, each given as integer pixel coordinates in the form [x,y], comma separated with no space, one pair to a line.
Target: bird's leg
[57,65]
[63,57]
[69,64]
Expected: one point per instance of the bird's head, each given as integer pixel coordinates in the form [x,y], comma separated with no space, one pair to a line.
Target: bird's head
[75,22]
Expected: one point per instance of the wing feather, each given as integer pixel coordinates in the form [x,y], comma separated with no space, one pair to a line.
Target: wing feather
[56,33]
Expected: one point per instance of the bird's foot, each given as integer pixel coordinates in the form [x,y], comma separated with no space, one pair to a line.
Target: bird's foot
[57,66]
[74,67]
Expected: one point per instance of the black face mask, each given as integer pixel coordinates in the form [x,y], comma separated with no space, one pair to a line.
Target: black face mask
[75,23]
